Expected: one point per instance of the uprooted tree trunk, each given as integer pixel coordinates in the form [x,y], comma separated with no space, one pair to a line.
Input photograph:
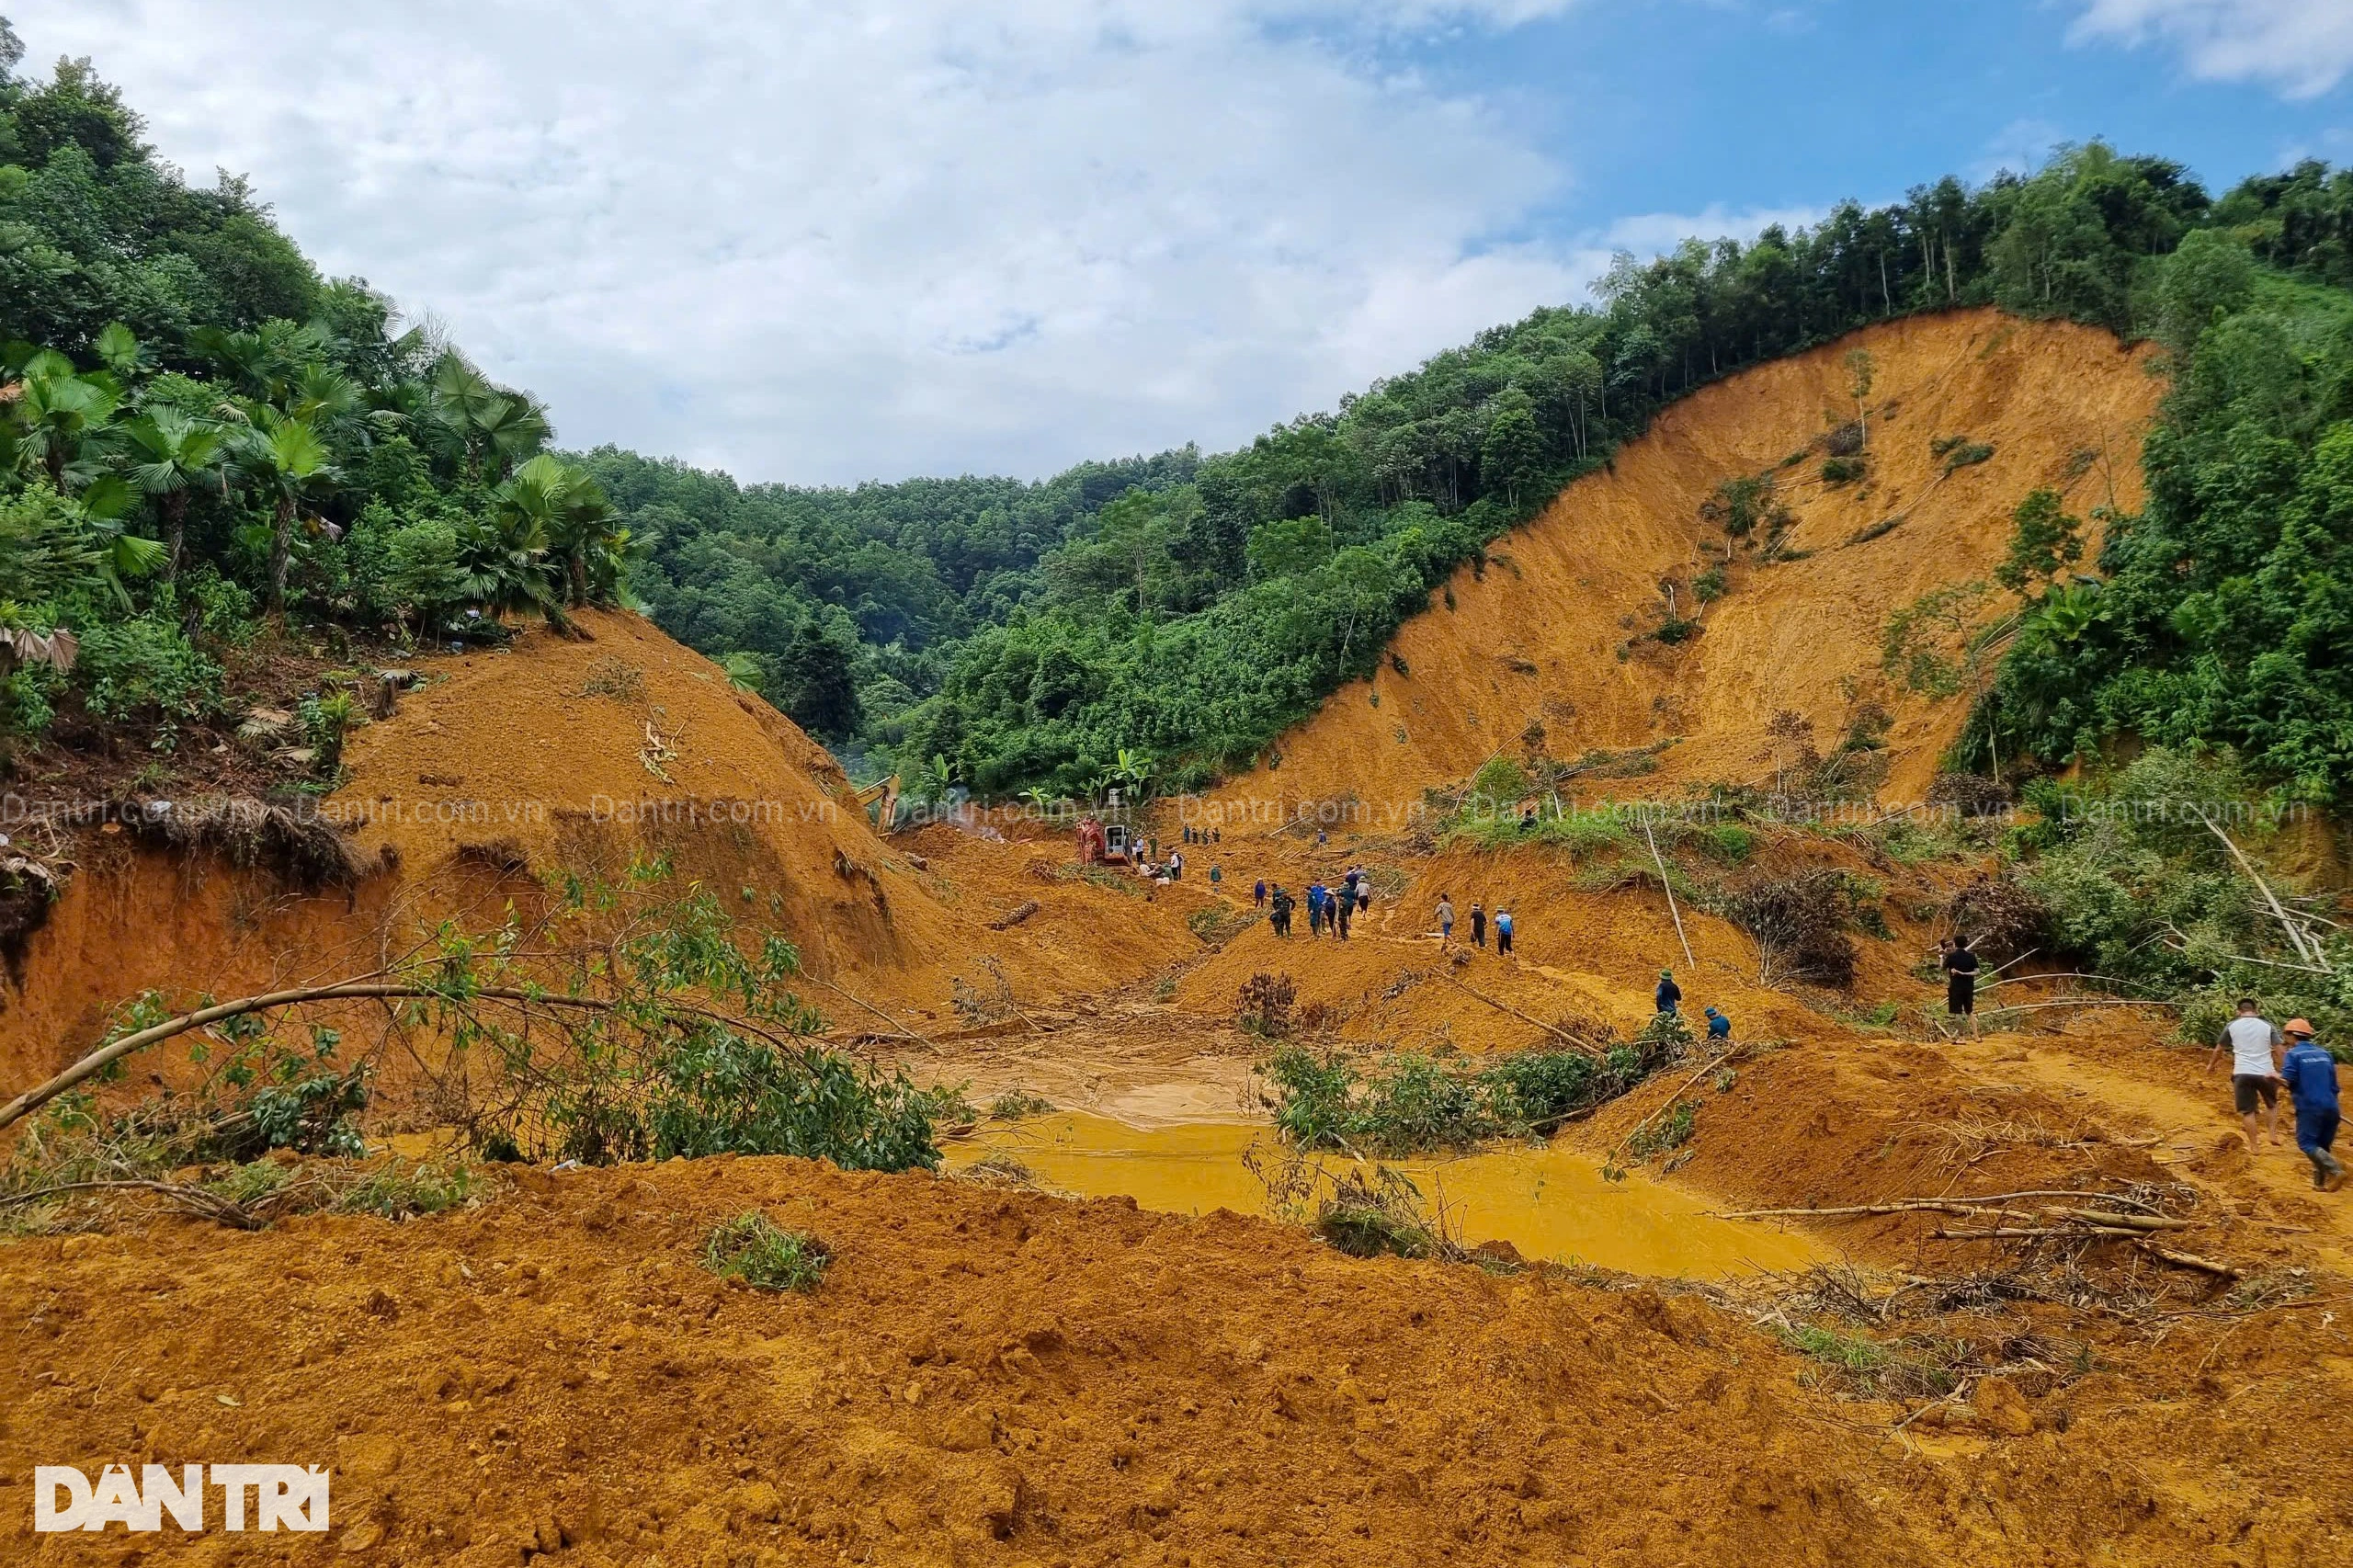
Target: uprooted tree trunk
[620,1025]
[106,1055]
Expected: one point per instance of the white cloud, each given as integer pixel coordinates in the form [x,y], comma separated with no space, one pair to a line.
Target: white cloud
[2302,47]
[823,243]
[2020,147]
[1651,232]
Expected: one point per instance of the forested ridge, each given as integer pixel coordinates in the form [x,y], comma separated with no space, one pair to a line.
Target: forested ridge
[199,429]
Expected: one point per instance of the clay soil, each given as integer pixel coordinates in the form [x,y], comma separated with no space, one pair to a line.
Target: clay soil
[994,1375]
[1535,631]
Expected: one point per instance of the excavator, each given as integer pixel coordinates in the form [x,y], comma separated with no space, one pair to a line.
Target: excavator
[880,801]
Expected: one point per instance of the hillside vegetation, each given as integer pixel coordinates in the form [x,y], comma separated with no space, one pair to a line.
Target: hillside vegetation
[199,429]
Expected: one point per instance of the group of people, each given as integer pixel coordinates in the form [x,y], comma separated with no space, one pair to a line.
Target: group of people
[1328,909]
[1478,924]
[1150,866]
[2262,1064]
[2264,1057]
[1668,998]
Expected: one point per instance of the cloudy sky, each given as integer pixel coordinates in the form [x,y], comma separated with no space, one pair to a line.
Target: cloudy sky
[823,243]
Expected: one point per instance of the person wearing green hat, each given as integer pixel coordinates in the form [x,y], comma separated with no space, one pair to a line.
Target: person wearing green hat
[1668,994]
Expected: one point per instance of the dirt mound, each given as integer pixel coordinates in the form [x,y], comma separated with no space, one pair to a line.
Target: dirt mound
[986,1376]
[505,769]
[1557,625]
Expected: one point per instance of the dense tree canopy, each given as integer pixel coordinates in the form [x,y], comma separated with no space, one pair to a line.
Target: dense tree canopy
[195,427]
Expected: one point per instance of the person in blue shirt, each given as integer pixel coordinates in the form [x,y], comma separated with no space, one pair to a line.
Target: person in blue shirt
[1503,930]
[2310,1073]
[1258,893]
[1719,1026]
[1316,894]
[1668,994]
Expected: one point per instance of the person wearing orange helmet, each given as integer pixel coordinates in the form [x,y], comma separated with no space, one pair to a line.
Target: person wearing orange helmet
[2310,1072]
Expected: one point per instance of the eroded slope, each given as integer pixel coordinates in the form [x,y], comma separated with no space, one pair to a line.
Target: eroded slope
[1537,633]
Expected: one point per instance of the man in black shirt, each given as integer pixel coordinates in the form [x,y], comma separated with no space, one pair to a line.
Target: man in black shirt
[1960,982]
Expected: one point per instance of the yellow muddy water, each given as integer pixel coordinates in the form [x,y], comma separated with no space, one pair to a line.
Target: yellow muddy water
[1551,1204]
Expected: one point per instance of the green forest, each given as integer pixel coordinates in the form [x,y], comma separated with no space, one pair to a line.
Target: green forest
[200,436]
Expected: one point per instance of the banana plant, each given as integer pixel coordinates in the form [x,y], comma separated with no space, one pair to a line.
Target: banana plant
[930,781]
[1133,769]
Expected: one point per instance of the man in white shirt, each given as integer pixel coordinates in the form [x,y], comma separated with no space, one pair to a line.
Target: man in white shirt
[2255,1067]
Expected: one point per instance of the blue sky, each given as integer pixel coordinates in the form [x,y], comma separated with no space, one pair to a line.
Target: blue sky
[821,242]
[1679,105]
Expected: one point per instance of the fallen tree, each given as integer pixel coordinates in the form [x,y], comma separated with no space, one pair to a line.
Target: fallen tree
[623,1025]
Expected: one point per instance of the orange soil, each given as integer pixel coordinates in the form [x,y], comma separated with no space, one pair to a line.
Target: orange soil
[991,1377]
[508,766]
[1534,633]
[1007,1378]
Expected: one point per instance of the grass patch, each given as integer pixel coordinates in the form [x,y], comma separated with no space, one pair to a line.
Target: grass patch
[398,1190]
[1410,1103]
[1217,925]
[1908,1368]
[1669,1131]
[763,1254]
[1015,1105]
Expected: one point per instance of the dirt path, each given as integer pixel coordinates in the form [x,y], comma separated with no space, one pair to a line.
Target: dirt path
[2139,1091]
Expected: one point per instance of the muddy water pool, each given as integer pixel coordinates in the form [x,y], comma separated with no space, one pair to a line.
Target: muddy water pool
[1551,1204]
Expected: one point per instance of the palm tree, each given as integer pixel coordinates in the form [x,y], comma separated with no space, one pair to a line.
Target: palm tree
[100,509]
[504,566]
[323,395]
[172,452]
[264,362]
[578,522]
[485,418]
[121,352]
[513,429]
[285,454]
[54,416]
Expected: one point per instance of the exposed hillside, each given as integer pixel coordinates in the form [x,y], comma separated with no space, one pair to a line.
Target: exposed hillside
[560,755]
[1557,625]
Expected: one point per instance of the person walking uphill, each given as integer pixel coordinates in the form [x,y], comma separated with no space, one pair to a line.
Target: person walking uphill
[1279,913]
[1669,995]
[1344,907]
[2255,1069]
[1445,919]
[1478,925]
[2310,1073]
[1503,930]
[1960,984]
